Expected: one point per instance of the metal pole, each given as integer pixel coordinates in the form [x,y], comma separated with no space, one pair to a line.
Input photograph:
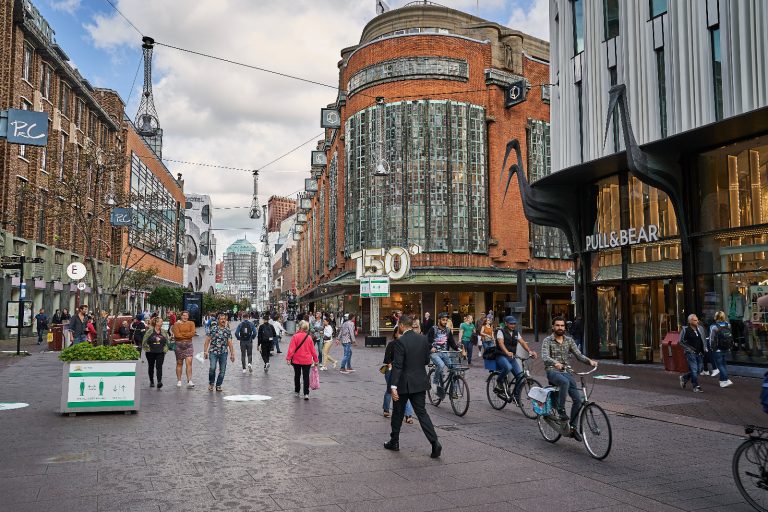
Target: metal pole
[374,316]
[21,307]
[535,309]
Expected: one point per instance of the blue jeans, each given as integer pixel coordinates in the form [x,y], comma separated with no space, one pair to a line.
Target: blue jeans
[566,384]
[695,362]
[221,360]
[441,361]
[80,339]
[719,362]
[468,347]
[276,343]
[388,396]
[319,349]
[346,360]
[504,365]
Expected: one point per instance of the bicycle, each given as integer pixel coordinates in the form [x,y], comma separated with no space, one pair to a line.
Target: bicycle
[500,400]
[750,467]
[453,385]
[597,436]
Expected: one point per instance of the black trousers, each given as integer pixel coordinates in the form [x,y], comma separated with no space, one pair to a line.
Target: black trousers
[419,409]
[298,371]
[246,348]
[155,361]
[265,351]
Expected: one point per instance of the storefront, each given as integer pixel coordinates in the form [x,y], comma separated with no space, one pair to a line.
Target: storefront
[636,282]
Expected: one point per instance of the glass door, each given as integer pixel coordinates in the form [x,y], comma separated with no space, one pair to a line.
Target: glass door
[608,323]
[641,322]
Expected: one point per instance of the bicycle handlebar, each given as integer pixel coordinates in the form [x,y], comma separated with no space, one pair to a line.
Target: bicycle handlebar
[594,369]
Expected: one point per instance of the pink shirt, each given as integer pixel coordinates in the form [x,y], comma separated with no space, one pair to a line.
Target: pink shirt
[304,355]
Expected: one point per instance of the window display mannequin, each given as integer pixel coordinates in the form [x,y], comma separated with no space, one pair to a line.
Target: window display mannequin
[737,305]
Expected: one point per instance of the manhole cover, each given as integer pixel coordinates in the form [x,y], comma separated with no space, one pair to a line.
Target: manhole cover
[247,398]
[5,406]
[316,440]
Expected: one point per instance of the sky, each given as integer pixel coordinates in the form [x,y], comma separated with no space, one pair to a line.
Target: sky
[222,114]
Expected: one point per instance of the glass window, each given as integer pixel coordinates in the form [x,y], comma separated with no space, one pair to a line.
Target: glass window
[44,159]
[26,66]
[658,7]
[578,26]
[79,114]
[62,154]
[64,94]
[661,75]
[717,72]
[333,172]
[45,81]
[734,186]
[205,214]
[611,17]
[25,105]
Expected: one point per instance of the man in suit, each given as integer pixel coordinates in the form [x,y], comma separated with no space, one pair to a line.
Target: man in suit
[410,382]
[428,323]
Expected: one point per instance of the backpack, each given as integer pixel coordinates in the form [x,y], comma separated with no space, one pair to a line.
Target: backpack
[764,393]
[138,328]
[246,331]
[723,337]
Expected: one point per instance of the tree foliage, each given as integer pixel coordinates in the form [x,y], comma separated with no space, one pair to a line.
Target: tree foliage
[167,296]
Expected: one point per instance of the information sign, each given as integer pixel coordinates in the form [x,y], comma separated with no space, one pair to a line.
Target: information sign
[12,314]
[374,287]
[76,270]
[101,385]
[121,217]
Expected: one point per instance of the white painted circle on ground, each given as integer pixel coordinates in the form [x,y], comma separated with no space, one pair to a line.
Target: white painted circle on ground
[247,398]
[76,270]
[12,405]
[612,377]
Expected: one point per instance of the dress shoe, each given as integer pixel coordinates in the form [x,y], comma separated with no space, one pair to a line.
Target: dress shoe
[392,445]
[437,449]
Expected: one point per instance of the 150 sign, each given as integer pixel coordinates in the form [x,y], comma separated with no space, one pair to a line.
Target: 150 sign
[394,263]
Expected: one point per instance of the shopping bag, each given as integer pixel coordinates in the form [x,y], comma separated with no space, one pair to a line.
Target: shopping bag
[199,357]
[314,378]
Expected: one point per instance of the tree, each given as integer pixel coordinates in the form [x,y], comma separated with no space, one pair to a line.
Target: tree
[167,296]
[87,194]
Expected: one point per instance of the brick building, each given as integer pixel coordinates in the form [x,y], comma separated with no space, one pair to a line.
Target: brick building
[219,272]
[424,94]
[279,209]
[35,74]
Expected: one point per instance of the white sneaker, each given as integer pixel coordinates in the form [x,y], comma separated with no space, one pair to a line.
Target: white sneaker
[715,373]
[245,371]
[267,367]
[190,384]
[178,384]
[726,383]
[705,373]
[250,368]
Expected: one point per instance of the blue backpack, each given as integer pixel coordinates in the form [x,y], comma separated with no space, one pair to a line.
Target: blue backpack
[764,393]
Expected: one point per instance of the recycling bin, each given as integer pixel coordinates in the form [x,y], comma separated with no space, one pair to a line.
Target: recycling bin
[672,353]
[58,337]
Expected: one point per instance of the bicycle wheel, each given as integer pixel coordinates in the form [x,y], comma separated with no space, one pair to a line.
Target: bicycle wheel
[494,399]
[434,399]
[548,431]
[459,395]
[525,402]
[596,430]
[750,471]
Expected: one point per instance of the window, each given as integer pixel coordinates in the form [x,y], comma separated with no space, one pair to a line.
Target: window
[579,98]
[20,200]
[26,66]
[717,71]
[205,214]
[62,154]
[41,216]
[76,160]
[92,122]
[44,159]
[661,74]
[548,242]
[578,26]
[614,77]
[435,194]
[333,171]
[64,94]
[79,114]
[45,81]
[611,17]
[658,7]
[25,105]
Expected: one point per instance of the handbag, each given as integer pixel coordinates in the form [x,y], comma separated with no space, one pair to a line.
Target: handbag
[384,369]
[314,378]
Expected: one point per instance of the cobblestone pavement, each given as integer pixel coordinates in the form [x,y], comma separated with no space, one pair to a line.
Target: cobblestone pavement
[191,450]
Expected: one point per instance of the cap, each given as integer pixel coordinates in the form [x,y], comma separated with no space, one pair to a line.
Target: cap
[510,320]
[442,314]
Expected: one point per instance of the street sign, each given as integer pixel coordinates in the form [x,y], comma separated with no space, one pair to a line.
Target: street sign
[371,287]
[121,217]
[319,159]
[329,118]
[76,270]
[12,314]
[24,127]
[81,286]
[516,93]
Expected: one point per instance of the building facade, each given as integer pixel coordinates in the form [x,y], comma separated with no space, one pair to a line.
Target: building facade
[200,246]
[424,102]
[279,209]
[240,277]
[672,207]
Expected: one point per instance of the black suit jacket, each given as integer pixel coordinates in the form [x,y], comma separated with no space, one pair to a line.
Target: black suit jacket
[412,353]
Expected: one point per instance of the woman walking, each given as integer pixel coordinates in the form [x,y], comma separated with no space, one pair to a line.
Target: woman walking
[65,331]
[301,355]
[486,335]
[389,356]
[218,345]
[155,346]
[264,337]
[327,344]
[467,328]
[183,332]
[721,342]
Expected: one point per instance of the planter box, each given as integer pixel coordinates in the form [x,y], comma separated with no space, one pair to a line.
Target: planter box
[92,386]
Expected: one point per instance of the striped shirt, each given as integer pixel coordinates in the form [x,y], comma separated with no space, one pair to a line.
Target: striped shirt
[553,352]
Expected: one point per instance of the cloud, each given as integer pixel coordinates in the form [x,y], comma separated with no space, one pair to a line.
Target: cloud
[533,21]
[68,6]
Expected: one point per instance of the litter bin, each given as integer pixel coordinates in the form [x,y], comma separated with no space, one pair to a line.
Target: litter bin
[290,327]
[375,341]
[58,337]
[673,354]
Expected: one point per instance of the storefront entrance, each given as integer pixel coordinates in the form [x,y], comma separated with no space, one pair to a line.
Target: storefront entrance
[652,308]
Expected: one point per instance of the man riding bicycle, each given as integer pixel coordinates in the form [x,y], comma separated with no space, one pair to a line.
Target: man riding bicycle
[441,338]
[554,351]
[507,339]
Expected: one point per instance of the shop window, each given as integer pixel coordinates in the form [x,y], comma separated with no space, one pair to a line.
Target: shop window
[650,206]
[733,189]
[609,333]
[608,205]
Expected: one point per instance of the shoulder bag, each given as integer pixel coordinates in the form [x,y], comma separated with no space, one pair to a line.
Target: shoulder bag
[297,348]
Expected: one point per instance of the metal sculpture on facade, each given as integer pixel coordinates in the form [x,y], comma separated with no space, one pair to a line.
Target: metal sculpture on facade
[147,122]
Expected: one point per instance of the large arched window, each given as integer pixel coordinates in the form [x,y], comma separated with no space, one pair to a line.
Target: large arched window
[435,193]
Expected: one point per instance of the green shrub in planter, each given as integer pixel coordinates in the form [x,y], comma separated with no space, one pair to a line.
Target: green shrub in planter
[88,352]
